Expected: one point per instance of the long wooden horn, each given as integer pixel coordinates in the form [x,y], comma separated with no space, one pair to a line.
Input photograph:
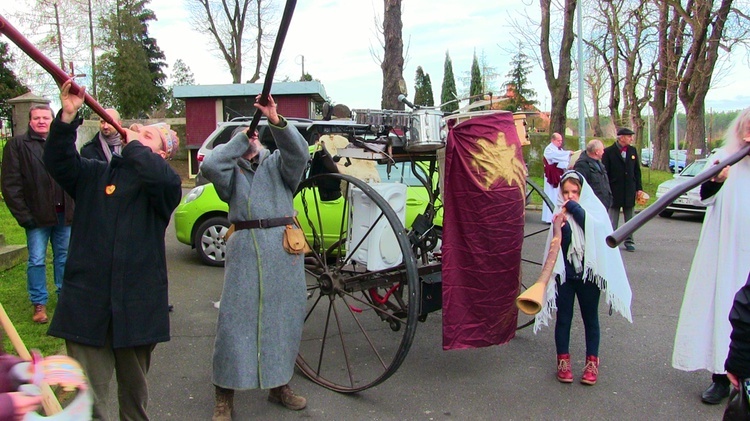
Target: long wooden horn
[650,212]
[57,73]
[286,18]
[49,401]
[531,300]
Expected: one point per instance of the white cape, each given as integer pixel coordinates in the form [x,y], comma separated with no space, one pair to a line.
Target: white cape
[720,268]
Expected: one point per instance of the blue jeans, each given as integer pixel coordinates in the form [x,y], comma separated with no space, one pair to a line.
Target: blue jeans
[36,270]
[588,301]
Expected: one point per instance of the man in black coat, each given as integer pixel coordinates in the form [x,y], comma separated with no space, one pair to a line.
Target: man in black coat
[113,308]
[591,167]
[624,172]
[106,142]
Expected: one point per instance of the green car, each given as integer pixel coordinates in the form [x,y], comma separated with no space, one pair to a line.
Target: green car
[201,218]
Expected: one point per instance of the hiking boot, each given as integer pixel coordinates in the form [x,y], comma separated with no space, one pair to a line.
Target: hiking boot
[285,396]
[40,313]
[590,370]
[224,403]
[564,374]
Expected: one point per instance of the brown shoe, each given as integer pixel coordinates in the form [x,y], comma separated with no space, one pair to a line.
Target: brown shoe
[224,404]
[285,396]
[40,313]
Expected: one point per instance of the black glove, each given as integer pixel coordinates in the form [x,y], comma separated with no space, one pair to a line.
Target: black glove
[29,225]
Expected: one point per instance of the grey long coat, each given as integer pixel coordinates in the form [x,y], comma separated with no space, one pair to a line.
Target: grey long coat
[263,301]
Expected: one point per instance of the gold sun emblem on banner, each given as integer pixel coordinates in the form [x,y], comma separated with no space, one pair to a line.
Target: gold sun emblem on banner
[497,160]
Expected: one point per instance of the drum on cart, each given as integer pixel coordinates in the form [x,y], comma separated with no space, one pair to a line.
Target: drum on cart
[427,131]
[383,118]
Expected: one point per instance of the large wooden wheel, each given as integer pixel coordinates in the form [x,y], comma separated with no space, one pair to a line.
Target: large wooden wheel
[362,285]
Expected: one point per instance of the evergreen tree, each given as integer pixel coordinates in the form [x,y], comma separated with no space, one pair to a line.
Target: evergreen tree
[423,89]
[131,73]
[181,76]
[10,86]
[448,91]
[475,88]
[429,96]
[517,84]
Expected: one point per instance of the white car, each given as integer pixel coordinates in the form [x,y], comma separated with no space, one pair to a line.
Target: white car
[689,201]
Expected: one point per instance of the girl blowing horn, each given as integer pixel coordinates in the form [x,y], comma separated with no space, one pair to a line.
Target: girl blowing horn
[584,268]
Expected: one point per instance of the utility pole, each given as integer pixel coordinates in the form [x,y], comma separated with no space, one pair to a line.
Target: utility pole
[581,105]
[93,52]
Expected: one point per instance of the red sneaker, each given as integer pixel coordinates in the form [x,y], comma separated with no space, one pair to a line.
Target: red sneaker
[591,370]
[564,374]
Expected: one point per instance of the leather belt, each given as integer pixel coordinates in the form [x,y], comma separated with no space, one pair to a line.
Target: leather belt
[264,223]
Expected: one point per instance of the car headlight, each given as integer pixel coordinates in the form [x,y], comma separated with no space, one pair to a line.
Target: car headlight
[661,191]
[193,194]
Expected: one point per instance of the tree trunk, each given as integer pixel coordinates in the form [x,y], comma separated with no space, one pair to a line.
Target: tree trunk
[393,57]
[559,86]
[664,104]
[695,136]
[706,28]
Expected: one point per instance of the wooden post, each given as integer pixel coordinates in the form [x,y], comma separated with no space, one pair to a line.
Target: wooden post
[49,401]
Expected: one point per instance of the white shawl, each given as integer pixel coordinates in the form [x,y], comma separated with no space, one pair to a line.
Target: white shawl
[602,265]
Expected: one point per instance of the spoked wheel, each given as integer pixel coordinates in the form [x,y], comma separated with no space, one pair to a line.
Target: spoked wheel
[534,237]
[362,284]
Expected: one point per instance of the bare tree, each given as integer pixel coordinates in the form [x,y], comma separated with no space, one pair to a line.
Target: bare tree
[59,33]
[225,22]
[604,44]
[393,58]
[706,26]
[559,85]
[637,42]
[595,79]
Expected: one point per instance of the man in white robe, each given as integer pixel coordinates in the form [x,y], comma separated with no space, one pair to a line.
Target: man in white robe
[557,160]
[719,270]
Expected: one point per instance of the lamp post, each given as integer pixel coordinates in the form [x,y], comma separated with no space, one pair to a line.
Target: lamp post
[581,111]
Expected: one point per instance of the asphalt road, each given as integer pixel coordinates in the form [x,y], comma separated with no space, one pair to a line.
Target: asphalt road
[515,381]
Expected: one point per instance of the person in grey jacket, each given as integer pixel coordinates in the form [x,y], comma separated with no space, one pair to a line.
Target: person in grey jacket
[591,167]
[263,300]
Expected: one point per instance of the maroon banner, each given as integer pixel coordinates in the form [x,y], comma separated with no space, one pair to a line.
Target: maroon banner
[485,177]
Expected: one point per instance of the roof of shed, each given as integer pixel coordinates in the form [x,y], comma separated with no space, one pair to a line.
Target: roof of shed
[314,88]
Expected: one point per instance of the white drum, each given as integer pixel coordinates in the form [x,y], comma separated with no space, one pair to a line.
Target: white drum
[426,131]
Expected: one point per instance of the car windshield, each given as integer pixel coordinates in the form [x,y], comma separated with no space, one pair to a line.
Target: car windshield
[400,173]
[693,169]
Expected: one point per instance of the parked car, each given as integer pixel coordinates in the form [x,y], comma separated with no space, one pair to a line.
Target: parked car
[689,201]
[201,217]
[310,130]
[675,156]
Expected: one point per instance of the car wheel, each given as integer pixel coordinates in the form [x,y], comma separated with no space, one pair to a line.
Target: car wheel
[666,213]
[209,240]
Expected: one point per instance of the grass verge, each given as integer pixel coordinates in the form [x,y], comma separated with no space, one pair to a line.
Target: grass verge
[15,297]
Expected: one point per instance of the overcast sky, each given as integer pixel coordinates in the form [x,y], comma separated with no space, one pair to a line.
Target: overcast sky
[336,37]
